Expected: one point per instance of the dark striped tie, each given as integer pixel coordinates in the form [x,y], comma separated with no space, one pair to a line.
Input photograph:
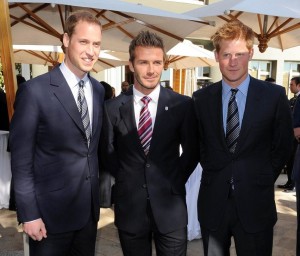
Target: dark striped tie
[145,125]
[83,110]
[233,124]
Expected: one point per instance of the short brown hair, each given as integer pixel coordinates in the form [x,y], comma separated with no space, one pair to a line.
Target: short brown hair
[233,30]
[146,39]
[75,18]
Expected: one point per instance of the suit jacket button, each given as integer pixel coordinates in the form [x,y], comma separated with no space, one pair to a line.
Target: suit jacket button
[147,165]
[144,186]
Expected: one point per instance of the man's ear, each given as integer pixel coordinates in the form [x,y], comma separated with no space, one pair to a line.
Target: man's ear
[66,40]
[131,67]
[216,56]
[251,52]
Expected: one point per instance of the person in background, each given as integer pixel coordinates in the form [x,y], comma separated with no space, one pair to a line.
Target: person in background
[54,139]
[108,90]
[270,80]
[124,86]
[20,80]
[295,89]
[143,131]
[114,92]
[168,87]
[243,148]
[4,120]
[12,201]
[295,82]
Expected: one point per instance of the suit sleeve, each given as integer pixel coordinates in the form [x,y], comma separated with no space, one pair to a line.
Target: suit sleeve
[189,140]
[24,127]
[282,135]
[109,158]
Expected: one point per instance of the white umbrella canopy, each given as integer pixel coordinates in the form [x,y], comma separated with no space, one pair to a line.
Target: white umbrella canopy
[42,23]
[188,55]
[169,5]
[183,55]
[275,22]
[48,55]
[31,54]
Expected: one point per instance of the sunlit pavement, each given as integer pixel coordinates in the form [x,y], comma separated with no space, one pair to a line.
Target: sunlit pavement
[11,241]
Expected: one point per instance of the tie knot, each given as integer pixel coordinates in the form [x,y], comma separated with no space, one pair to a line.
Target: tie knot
[146,100]
[81,83]
[234,92]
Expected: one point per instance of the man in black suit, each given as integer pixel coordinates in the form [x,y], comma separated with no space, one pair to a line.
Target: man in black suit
[143,154]
[245,140]
[295,89]
[54,140]
[295,83]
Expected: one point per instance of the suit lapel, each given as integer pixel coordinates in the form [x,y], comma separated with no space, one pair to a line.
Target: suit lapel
[254,96]
[215,112]
[128,117]
[164,102]
[64,95]
[96,107]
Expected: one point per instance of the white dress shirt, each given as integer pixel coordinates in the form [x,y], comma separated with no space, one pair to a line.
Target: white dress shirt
[152,105]
[73,81]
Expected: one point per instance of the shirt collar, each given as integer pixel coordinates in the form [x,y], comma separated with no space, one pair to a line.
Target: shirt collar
[243,87]
[71,78]
[137,95]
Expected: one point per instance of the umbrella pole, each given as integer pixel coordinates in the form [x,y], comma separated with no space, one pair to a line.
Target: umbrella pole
[8,64]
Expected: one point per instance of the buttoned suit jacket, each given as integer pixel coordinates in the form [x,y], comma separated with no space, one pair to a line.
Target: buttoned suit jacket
[55,172]
[264,146]
[159,176]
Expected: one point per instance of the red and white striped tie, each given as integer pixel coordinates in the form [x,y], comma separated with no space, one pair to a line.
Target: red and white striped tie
[145,125]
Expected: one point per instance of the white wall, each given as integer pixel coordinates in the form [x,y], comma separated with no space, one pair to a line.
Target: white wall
[39,70]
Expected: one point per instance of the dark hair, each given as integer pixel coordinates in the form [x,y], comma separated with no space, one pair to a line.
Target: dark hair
[146,39]
[270,79]
[296,79]
[108,90]
[75,18]
[20,79]
[233,30]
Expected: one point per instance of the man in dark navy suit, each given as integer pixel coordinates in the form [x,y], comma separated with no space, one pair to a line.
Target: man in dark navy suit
[54,141]
[246,137]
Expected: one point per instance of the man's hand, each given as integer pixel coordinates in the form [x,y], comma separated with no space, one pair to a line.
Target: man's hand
[35,229]
[297,133]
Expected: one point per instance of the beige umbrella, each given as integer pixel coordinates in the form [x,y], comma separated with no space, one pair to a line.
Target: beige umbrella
[276,23]
[48,55]
[188,55]
[42,23]
[170,5]
[183,55]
